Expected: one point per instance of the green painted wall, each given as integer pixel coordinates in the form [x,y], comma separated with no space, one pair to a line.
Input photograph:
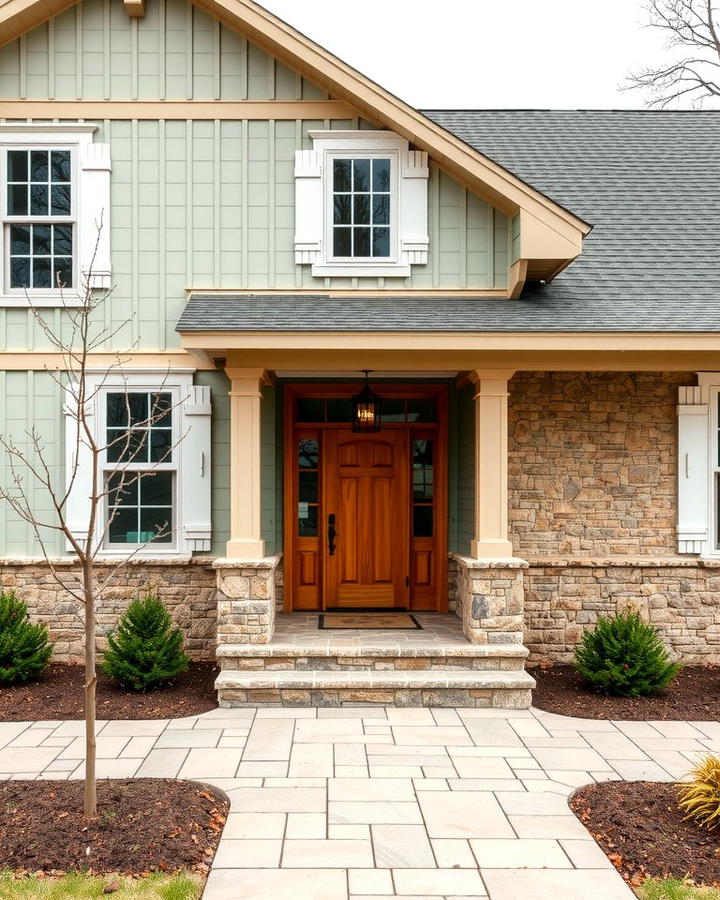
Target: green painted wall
[465,485]
[27,400]
[35,398]
[94,51]
[209,204]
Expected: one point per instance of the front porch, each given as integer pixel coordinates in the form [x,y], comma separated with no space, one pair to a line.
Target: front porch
[367,523]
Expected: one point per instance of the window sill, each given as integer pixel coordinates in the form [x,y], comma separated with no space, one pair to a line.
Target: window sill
[71,299]
[340,270]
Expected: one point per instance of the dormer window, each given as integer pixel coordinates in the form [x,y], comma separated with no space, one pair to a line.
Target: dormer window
[361,205]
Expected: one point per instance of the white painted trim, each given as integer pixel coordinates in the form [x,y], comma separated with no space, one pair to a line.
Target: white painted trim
[15,132]
[192,438]
[91,168]
[313,204]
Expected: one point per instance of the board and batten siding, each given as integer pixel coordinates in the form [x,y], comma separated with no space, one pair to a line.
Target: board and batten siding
[35,399]
[206,204]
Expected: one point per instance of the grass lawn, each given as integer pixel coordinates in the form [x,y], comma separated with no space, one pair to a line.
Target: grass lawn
[671,889]
[87,887]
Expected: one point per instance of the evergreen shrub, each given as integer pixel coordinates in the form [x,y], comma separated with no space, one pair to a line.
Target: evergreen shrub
[25,649]
[625,656]
[145,650]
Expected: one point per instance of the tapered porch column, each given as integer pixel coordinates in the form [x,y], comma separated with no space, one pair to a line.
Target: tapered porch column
[491,450]
[246,541]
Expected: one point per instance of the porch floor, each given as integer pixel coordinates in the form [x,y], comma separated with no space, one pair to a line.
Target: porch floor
[439,632]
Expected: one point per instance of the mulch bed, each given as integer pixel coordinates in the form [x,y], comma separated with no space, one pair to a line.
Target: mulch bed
[59,695]
[640,828]
[143,826]
[694,695]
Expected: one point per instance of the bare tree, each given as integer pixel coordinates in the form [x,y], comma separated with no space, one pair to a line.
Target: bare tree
[81,335]
[692,75]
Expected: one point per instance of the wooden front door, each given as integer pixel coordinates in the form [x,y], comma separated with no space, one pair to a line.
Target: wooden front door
[381,497]
[366,517]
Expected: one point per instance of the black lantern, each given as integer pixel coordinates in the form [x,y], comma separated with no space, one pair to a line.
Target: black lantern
[366,408]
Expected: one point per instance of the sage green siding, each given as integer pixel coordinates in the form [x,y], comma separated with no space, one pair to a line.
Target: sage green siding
[94,51]
[465,463]
[35,399]
[30,400]
[209,204]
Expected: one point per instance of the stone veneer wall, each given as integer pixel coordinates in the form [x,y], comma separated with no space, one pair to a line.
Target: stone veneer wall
[681,597]
[187,589]
[592,463]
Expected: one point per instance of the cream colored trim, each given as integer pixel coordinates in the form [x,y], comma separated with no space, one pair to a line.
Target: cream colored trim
[135,8]
[246,541]
[36,361]
[482,175]
[171,109]
[451,340]
[491,465]
[517,279]
[480,294]
[440,362]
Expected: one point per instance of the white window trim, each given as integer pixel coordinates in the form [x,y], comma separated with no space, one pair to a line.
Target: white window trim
[91,169]
[698,529]
[313,204]
[188,401]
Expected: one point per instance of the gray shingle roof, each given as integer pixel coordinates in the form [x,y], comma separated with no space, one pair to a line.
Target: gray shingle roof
[648,181]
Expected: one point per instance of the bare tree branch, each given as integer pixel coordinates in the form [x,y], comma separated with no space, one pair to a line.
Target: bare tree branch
[690,79]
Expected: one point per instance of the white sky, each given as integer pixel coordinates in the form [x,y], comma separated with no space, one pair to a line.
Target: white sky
[564,54]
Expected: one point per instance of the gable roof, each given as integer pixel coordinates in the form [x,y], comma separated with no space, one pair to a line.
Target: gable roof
[554,234]
[649,180]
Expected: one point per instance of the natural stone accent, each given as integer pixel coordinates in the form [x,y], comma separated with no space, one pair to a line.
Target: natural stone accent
[680,596]
[246,600]
[373,663]
[592,463]
[438,697]
[489,599]
[187,588]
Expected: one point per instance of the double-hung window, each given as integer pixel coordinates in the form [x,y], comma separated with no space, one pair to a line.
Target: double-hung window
[140,467]
[40,219]
[54,213]
[154,468]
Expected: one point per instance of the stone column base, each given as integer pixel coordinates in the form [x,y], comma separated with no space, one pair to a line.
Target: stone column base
[490,599]
[246,600]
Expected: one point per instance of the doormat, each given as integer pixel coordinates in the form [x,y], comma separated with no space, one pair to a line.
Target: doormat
[378,621]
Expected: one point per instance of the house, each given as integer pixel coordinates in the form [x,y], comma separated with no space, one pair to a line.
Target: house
[533,296]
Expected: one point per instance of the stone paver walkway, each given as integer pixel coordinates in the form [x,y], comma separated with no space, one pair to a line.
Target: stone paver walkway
[351,803]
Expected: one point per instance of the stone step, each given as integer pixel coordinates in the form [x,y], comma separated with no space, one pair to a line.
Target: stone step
[371,657]
[463,688]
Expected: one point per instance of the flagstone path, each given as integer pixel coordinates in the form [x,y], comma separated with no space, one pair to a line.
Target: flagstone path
[360,803]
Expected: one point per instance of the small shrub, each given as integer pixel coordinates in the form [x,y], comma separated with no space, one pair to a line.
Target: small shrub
[625,656]
[24,648]
[145,651]
[700,798]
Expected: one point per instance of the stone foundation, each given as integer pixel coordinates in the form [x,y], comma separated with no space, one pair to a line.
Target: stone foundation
[246,600]
[489,599]
[680,596]
[186,588]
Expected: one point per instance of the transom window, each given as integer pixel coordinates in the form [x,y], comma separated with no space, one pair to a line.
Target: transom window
[361,208]
[39,219]
[140,469]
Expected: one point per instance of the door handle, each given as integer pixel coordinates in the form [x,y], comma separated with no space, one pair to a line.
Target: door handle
[331,534]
